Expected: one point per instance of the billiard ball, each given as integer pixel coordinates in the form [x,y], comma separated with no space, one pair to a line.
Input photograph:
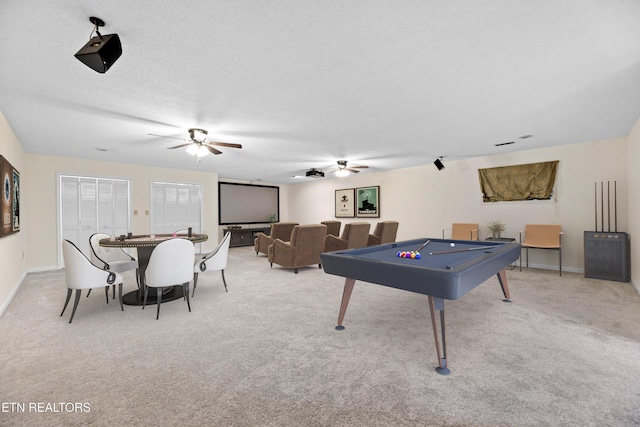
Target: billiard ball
[453,245]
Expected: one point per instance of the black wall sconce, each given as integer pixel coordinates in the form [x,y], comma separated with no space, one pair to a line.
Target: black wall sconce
[439,163]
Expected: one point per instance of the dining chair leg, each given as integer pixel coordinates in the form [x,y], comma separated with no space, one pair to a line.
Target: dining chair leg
[69,291]
[114,291]
[120,296]
[195,283]
[158,301]
[223,281]
[106,293]
[144,300]
[186,292]
[88,293]
[560,256]
[75,304]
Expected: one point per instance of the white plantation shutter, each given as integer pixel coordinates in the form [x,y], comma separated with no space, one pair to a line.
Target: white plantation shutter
[175,206]
[91,205]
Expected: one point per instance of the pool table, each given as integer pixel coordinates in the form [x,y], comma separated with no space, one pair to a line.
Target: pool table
[443,271]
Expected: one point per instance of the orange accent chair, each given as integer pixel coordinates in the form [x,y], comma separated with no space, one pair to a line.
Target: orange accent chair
[542,236]
[463,231]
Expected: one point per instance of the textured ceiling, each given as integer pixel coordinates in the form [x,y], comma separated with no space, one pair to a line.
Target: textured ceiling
[302,84]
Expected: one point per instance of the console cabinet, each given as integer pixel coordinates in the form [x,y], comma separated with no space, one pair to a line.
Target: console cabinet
[245,236]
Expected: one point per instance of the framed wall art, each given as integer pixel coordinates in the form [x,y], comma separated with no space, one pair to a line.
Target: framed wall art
[10,199]
[368,202]
[345,203]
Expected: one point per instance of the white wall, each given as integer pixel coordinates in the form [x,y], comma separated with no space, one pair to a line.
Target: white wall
[13,246]
[425,201]
[40,205]
[633,156]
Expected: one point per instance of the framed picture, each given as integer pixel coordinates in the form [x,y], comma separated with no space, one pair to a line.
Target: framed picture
[10,198]
[345,203]
[368,202]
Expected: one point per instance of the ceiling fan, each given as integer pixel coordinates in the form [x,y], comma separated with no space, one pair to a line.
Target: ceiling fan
[197,144]
[343,169]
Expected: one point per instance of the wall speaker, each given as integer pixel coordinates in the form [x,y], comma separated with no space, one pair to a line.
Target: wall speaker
[439,164]
[100,52]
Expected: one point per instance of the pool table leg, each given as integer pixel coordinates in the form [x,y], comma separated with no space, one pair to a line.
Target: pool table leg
[502,278]
[438,304]
[346,294]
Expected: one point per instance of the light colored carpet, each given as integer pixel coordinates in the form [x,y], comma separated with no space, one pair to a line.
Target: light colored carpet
[565,352]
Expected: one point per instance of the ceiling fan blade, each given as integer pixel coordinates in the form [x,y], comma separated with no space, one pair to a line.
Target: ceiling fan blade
[224,144]
[352,170]
[181,145]
[213,150]
[359,166]
[164,136]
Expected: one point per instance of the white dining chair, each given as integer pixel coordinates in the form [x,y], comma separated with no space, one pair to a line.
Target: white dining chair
[82,274]
[111,259]
[214,260]
[170,264]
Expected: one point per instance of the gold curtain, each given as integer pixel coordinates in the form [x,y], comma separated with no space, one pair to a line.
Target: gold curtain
[521,182]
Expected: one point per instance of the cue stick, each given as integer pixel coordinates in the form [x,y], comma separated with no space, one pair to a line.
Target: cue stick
[595,199]
[422,247]
[608,207]
[602,204]
[456,250]
[615,205]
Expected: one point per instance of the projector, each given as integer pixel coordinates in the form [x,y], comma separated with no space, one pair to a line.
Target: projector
[315,174]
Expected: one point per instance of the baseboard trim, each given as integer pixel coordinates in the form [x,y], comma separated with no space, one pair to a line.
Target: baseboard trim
[13,293]
[551,267]
[41,269]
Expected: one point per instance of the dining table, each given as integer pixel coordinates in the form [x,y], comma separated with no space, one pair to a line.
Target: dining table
[144,245]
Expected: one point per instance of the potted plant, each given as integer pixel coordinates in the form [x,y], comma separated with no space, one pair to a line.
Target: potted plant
[495,228]
[271,218]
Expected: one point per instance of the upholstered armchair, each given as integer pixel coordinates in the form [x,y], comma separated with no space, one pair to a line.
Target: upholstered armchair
[304,248]
[333,227]
[279,230]
[354,235]
[385,232]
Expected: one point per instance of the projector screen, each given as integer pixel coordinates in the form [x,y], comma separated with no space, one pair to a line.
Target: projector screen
[247,203]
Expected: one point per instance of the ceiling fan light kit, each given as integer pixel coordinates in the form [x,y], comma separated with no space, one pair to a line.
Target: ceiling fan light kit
[197,144]
[198,134]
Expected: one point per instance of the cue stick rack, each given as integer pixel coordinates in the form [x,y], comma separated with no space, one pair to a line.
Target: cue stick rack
[606,251]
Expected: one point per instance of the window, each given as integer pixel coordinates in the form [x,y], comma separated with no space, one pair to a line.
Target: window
[532,181]
[90,205]
[175,206]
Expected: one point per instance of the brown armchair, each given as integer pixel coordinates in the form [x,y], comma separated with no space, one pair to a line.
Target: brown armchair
[279,230]
[305,247]
[542,236]
[333,227]
[354,235]
[385,232]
